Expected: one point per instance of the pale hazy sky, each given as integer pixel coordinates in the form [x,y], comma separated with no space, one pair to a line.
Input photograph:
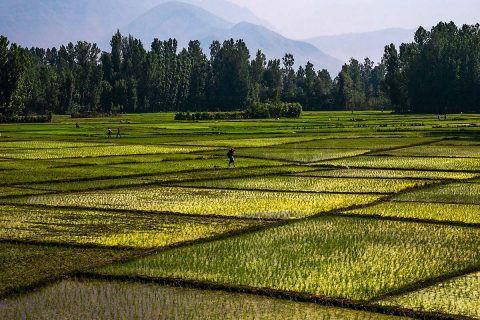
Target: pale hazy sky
[302,19]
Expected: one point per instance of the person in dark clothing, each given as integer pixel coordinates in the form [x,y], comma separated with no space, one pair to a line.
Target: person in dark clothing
[118,132]
[109,133]
[231,157]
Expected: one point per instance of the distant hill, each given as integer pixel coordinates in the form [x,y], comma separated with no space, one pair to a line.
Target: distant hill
[48,23]
[362,45]
[178,20]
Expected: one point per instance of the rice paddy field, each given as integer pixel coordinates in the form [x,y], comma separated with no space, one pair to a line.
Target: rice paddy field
[322,217]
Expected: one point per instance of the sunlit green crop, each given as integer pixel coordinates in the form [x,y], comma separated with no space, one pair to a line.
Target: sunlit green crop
[338,257]
[459,296]
[468,193]
[467,213]
[108,228]
[253,204]
[388,174]
[291,183]
[131,300]
[423,163]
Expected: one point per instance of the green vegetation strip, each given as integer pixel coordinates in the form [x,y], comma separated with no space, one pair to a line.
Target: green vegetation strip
[389,174]
[462,193]
[113,229]
[437,151]
[248,204]
[134,300]
[330,256]
[412,163]
[167,178]
[245,142]
[36,174]
[297,155]
[6,192]
[23,266]
[456,213]
[459,296]
[98,151]
[313,184]
[359,143]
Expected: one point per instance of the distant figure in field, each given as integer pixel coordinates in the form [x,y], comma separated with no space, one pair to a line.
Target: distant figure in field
[76,125]
[118,132]
[109,133]
[231,157]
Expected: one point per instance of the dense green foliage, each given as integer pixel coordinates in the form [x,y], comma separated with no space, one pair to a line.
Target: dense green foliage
[438,72]
[255,111]
[80,79]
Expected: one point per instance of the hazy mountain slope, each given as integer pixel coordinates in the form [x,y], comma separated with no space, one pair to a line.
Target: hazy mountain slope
[362,45]
[47,23]
[177,20]
[226,10]
[275,45]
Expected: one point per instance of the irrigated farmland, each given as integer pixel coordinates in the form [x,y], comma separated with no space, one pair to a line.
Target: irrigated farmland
[375,216]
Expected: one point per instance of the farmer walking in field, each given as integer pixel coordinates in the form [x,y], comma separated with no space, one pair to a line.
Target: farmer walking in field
[118,132]
[109,133]
[231,157]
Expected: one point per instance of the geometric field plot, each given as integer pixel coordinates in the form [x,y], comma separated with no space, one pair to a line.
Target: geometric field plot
[312,184]
[459,296]
[103,228]
[389,174]
[131,300]
[243,203]
[468,193]
[25,264]
[438,151]
[464,213]
[300,155]
[109,150]
[416,163]
[332,256]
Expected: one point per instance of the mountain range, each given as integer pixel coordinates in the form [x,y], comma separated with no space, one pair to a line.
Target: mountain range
[49,23]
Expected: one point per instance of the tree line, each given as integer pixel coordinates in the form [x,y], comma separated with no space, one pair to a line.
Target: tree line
[81,78]
[437,73]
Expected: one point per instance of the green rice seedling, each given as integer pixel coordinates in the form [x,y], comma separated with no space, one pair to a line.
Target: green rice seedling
[68,173]
[359,143]
[458,142]
[46,144]
[439,164]
[437,151]
[6,192]
[109,228]
[388,174]
[467,193]
[22,265]
[245,142]
[313,184]
[107,150]
[131,300]
[252,204]
[298,155]
[167,178]
[466,213]
[337,257]
[459,296]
